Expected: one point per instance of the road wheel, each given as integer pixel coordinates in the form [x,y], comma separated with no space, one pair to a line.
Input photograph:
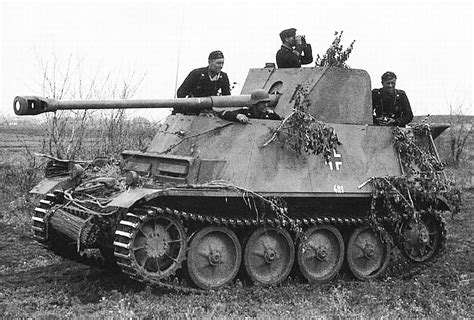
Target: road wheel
[214,257]
[367,255]
[269,255]
[321,253]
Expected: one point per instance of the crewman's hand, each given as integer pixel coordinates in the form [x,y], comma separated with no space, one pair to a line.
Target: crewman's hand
[242,118]
[299,40]
[380,121]
[391,122]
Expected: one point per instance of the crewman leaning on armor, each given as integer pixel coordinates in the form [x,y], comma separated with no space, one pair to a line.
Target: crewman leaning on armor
[294,50]
[390,106]
[257,109]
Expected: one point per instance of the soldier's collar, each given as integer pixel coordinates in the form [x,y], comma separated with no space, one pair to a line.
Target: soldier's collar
[215,77]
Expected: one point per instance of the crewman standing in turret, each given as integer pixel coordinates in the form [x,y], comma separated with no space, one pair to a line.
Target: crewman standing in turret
[294,50]
[390,106]
[207,81]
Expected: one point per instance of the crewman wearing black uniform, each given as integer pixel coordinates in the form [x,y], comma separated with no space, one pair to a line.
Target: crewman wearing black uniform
[294,50]
[257,109]
[206,81]
[390,106]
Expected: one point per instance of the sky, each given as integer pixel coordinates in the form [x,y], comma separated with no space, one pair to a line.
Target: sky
[427,43]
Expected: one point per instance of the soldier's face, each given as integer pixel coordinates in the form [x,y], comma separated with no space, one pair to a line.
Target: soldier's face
[216,65]
[389,85]
[291,41]
[260,108]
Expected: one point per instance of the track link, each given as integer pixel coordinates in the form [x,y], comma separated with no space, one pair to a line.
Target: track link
[40,218]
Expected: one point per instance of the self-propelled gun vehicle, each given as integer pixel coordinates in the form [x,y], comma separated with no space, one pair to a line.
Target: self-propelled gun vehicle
[210,197]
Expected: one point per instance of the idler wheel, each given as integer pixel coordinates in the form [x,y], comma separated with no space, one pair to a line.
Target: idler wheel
[367,256]
[214,257]
[158,246]
[269,255]
[321,253]
[422,239]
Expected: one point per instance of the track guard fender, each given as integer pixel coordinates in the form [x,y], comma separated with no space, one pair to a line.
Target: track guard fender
[128,198]
[50,184]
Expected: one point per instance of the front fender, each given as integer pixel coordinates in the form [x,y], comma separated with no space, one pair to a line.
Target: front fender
[50,184]
[128,198]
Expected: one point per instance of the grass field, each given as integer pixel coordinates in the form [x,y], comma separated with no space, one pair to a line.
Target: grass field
[36,283]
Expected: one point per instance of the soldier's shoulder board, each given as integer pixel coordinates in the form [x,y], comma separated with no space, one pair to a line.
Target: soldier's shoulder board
[376,91]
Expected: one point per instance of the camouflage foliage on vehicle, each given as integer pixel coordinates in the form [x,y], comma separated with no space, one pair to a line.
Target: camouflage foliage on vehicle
[300,132]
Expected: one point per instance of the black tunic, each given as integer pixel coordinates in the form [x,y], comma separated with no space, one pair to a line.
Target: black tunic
[396,107]
[286,58]
[198,84]
[231,115]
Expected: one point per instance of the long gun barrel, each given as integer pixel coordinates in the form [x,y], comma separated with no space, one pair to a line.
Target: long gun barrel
[33,105]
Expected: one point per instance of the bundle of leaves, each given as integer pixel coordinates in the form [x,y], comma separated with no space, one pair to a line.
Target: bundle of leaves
[426,167]
[416,159]
[422,184]
[398,195]
[261,205]
[336,55]
[300,132]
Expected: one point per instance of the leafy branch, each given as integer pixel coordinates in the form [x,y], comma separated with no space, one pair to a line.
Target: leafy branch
[420,187]
[300,132]
[336,55]
[254,201]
